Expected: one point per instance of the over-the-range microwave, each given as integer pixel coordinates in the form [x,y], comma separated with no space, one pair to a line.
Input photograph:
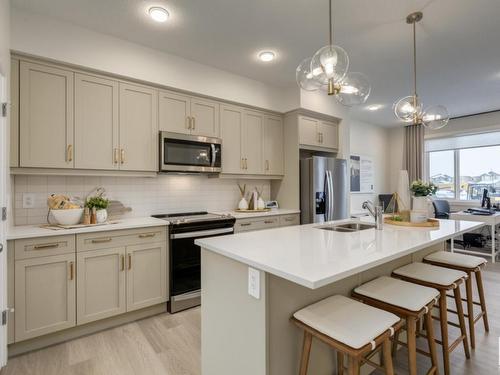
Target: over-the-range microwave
[189,153]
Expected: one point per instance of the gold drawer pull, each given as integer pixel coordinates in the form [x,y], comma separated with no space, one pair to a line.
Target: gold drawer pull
[71,270]
[122,156]
[129,261]
[269,222]
[245,224]
[102,240]
[147,235]
[123,262]
[70,153]
[115,156]
[46,246]
[289,219]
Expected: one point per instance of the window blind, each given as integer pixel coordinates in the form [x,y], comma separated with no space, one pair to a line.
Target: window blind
[463,141]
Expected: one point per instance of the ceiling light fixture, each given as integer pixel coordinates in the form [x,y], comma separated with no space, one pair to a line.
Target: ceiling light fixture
[327,70]
[267,56]
[410,109]
[159,14]
[374,107]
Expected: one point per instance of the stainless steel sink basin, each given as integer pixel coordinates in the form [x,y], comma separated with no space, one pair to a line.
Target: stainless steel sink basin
[347,227]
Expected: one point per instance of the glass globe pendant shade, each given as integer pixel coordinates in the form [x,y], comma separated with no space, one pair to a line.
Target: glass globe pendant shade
[354,89]
[329,62]
[435,117]
[405,109]
[304,76]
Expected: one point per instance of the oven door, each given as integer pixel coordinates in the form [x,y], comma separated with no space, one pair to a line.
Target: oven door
[188,153]
[185,261]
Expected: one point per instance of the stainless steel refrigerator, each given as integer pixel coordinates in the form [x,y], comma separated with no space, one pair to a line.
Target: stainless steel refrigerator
[323,189]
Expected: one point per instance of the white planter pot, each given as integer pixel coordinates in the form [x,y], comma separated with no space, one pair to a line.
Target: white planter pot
[243,204]
[101,216]
[420,203]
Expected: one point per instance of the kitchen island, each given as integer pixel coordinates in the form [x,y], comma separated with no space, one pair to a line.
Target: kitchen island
[286,269]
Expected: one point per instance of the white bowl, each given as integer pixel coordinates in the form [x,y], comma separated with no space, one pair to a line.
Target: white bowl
[71,216]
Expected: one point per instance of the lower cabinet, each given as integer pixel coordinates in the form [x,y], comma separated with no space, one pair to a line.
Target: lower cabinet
[267,222]
[101,284]
[45,293]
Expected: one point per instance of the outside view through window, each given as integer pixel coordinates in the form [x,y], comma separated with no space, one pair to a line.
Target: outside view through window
[479,168]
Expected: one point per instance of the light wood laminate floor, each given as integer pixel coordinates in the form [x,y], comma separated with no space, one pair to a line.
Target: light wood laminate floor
[170,345]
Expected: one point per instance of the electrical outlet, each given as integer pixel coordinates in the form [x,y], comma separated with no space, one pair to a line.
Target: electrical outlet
[254,282]
[28,200]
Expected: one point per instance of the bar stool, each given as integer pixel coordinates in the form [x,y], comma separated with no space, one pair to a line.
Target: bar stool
[351,328]
[409,301]
[444,280]
[470,265]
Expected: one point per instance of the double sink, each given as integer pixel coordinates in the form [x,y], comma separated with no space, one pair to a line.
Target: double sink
[347,227]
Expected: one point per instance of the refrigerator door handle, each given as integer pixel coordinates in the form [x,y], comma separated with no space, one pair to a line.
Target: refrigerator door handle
[330,195]
[326,191]
[332,198]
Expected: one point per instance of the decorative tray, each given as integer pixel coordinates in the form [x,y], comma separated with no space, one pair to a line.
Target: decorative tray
[76,226]
[430,223]
[260,210]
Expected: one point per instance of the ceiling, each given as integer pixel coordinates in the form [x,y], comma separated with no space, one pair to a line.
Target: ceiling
[458,41]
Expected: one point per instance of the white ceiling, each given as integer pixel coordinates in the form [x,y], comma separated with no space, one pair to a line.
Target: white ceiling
[458,41]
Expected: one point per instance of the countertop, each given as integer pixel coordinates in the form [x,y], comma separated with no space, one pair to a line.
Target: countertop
[249,215]
[31,231]
[313,257]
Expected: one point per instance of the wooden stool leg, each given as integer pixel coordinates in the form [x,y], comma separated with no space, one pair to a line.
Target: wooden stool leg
[386,349]
[479,281]
[461,319]
[340,363]
[470,310]
[443,320]
[395,344]
[429,328]
[411,331]
[353,366]
[306,351]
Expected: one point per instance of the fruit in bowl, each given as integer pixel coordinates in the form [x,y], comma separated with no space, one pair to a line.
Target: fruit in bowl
[70,216]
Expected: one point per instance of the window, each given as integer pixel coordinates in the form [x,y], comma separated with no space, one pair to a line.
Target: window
[462,167]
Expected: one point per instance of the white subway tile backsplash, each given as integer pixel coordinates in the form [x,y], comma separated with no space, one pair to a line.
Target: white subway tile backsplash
[146,196]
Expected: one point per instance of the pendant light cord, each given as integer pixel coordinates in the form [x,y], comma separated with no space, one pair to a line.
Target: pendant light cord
[415,58]
[330,21]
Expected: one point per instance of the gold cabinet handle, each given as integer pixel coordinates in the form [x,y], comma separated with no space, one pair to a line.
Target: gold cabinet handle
[122,156]
[267,165]
[71,270]
[102,240]
[246,163]
[122,258]
[269,222]
[147,235]
[69,153]
[245,224]
[115,156]
[289,219]
[129,261]
[194,123]
[188,122]
[242,163]
[46,246]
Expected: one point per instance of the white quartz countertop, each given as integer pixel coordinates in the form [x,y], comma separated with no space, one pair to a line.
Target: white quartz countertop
[249,215]
[313,257]
[32,231]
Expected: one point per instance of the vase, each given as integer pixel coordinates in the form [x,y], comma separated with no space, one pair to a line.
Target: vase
[261,204]
[101,216]
[403,191]
[421,205]
[243,204]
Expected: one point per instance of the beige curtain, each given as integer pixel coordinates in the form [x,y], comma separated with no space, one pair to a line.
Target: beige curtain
[413,157]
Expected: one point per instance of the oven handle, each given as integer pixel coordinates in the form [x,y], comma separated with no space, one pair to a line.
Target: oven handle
[185,296]
[201,233]
[214,154]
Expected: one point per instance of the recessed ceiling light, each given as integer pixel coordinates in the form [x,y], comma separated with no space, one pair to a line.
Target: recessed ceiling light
[267,56]
[374,107]
[159,14]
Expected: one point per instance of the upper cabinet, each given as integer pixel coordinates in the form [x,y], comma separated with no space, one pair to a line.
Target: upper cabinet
[318,133]
[273,145]
[188,115]
[231,120]
[46,116]
[138,128]
[14,113]
[251,141]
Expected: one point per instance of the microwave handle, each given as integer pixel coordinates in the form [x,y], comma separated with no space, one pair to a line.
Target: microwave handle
[214,154]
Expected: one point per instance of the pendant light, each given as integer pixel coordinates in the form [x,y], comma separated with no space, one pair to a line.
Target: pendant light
[409,109]
[327,71]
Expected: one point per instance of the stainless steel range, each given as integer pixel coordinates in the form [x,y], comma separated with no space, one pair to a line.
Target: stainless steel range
[185,259]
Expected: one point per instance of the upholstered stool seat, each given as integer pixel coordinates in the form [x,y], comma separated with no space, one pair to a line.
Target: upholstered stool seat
[444,280]
[350,327]
[470,265]
[410,302]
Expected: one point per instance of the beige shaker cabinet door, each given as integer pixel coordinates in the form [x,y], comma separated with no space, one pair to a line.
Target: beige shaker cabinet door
[174,112]
[146,275]
[273,145]
[308,131]
[14,113]
[205,117]
[329,134]
[231,134]
[101,284]
[44,295]
[138,128]
[45,116]
[96,123]
[253,130]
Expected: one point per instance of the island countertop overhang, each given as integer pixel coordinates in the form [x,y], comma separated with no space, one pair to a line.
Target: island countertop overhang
[311,257]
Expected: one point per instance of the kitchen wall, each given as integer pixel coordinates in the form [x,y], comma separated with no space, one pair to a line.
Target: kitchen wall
[146,196]
[373,141]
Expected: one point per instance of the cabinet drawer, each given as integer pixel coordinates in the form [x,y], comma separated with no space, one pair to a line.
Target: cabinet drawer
[44,246]
[247,225]
[287,220]
[109,239]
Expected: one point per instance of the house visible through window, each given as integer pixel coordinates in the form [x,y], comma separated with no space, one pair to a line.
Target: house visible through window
[462,167]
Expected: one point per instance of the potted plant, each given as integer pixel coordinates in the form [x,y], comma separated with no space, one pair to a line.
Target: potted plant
[421,191]
[100,204]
